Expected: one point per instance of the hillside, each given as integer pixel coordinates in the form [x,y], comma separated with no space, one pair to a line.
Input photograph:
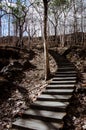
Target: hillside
[22,80]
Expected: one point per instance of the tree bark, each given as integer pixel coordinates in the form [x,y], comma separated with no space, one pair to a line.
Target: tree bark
[9,25]
[47,68]
[82,41]
[0,27]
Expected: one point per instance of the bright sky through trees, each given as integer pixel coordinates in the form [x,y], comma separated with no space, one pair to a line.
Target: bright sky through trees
[5,18]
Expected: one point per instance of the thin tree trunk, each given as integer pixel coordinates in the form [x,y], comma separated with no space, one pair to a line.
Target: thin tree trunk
[47,69]
[0,27]
[75,24]
[9,25]
[55,27]
[20,37]
[82,23]
[64,32]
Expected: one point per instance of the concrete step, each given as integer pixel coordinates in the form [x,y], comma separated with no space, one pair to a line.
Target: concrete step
[65,69]
[65,75]
[64,79]
[56,87]
[66,72]
[60,90]
[51,104]
[44,115]
[63,82]
[60,85]
[61,98]
[56,92]
[55,106]
[33,124]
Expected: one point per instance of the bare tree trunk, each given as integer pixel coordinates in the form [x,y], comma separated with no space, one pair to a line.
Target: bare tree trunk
[56,34]
[0,22]
[9,28]
[29,40]
[82,41]
[75,24]
[20,36]
[63,37]
[9,25]
[0,27]
[47,69]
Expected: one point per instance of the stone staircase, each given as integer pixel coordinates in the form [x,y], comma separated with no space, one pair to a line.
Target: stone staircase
[48,111]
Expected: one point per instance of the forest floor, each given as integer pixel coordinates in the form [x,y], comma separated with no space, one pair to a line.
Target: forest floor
[18,90]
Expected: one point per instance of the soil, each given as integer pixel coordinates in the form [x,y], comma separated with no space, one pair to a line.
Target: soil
[76,111]
[21,81]
[18,90]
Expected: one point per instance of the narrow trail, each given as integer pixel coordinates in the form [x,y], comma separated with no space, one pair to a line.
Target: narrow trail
[48,111]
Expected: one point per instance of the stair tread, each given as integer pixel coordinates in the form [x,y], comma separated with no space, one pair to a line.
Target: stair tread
[67,81]
[68,67]
[63,82]
[59,90]
[56,87]
[44,113]
[58,93]
[61,85]
[64,78]
[34,124]
[54,96]
[66,72]
[51,103]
